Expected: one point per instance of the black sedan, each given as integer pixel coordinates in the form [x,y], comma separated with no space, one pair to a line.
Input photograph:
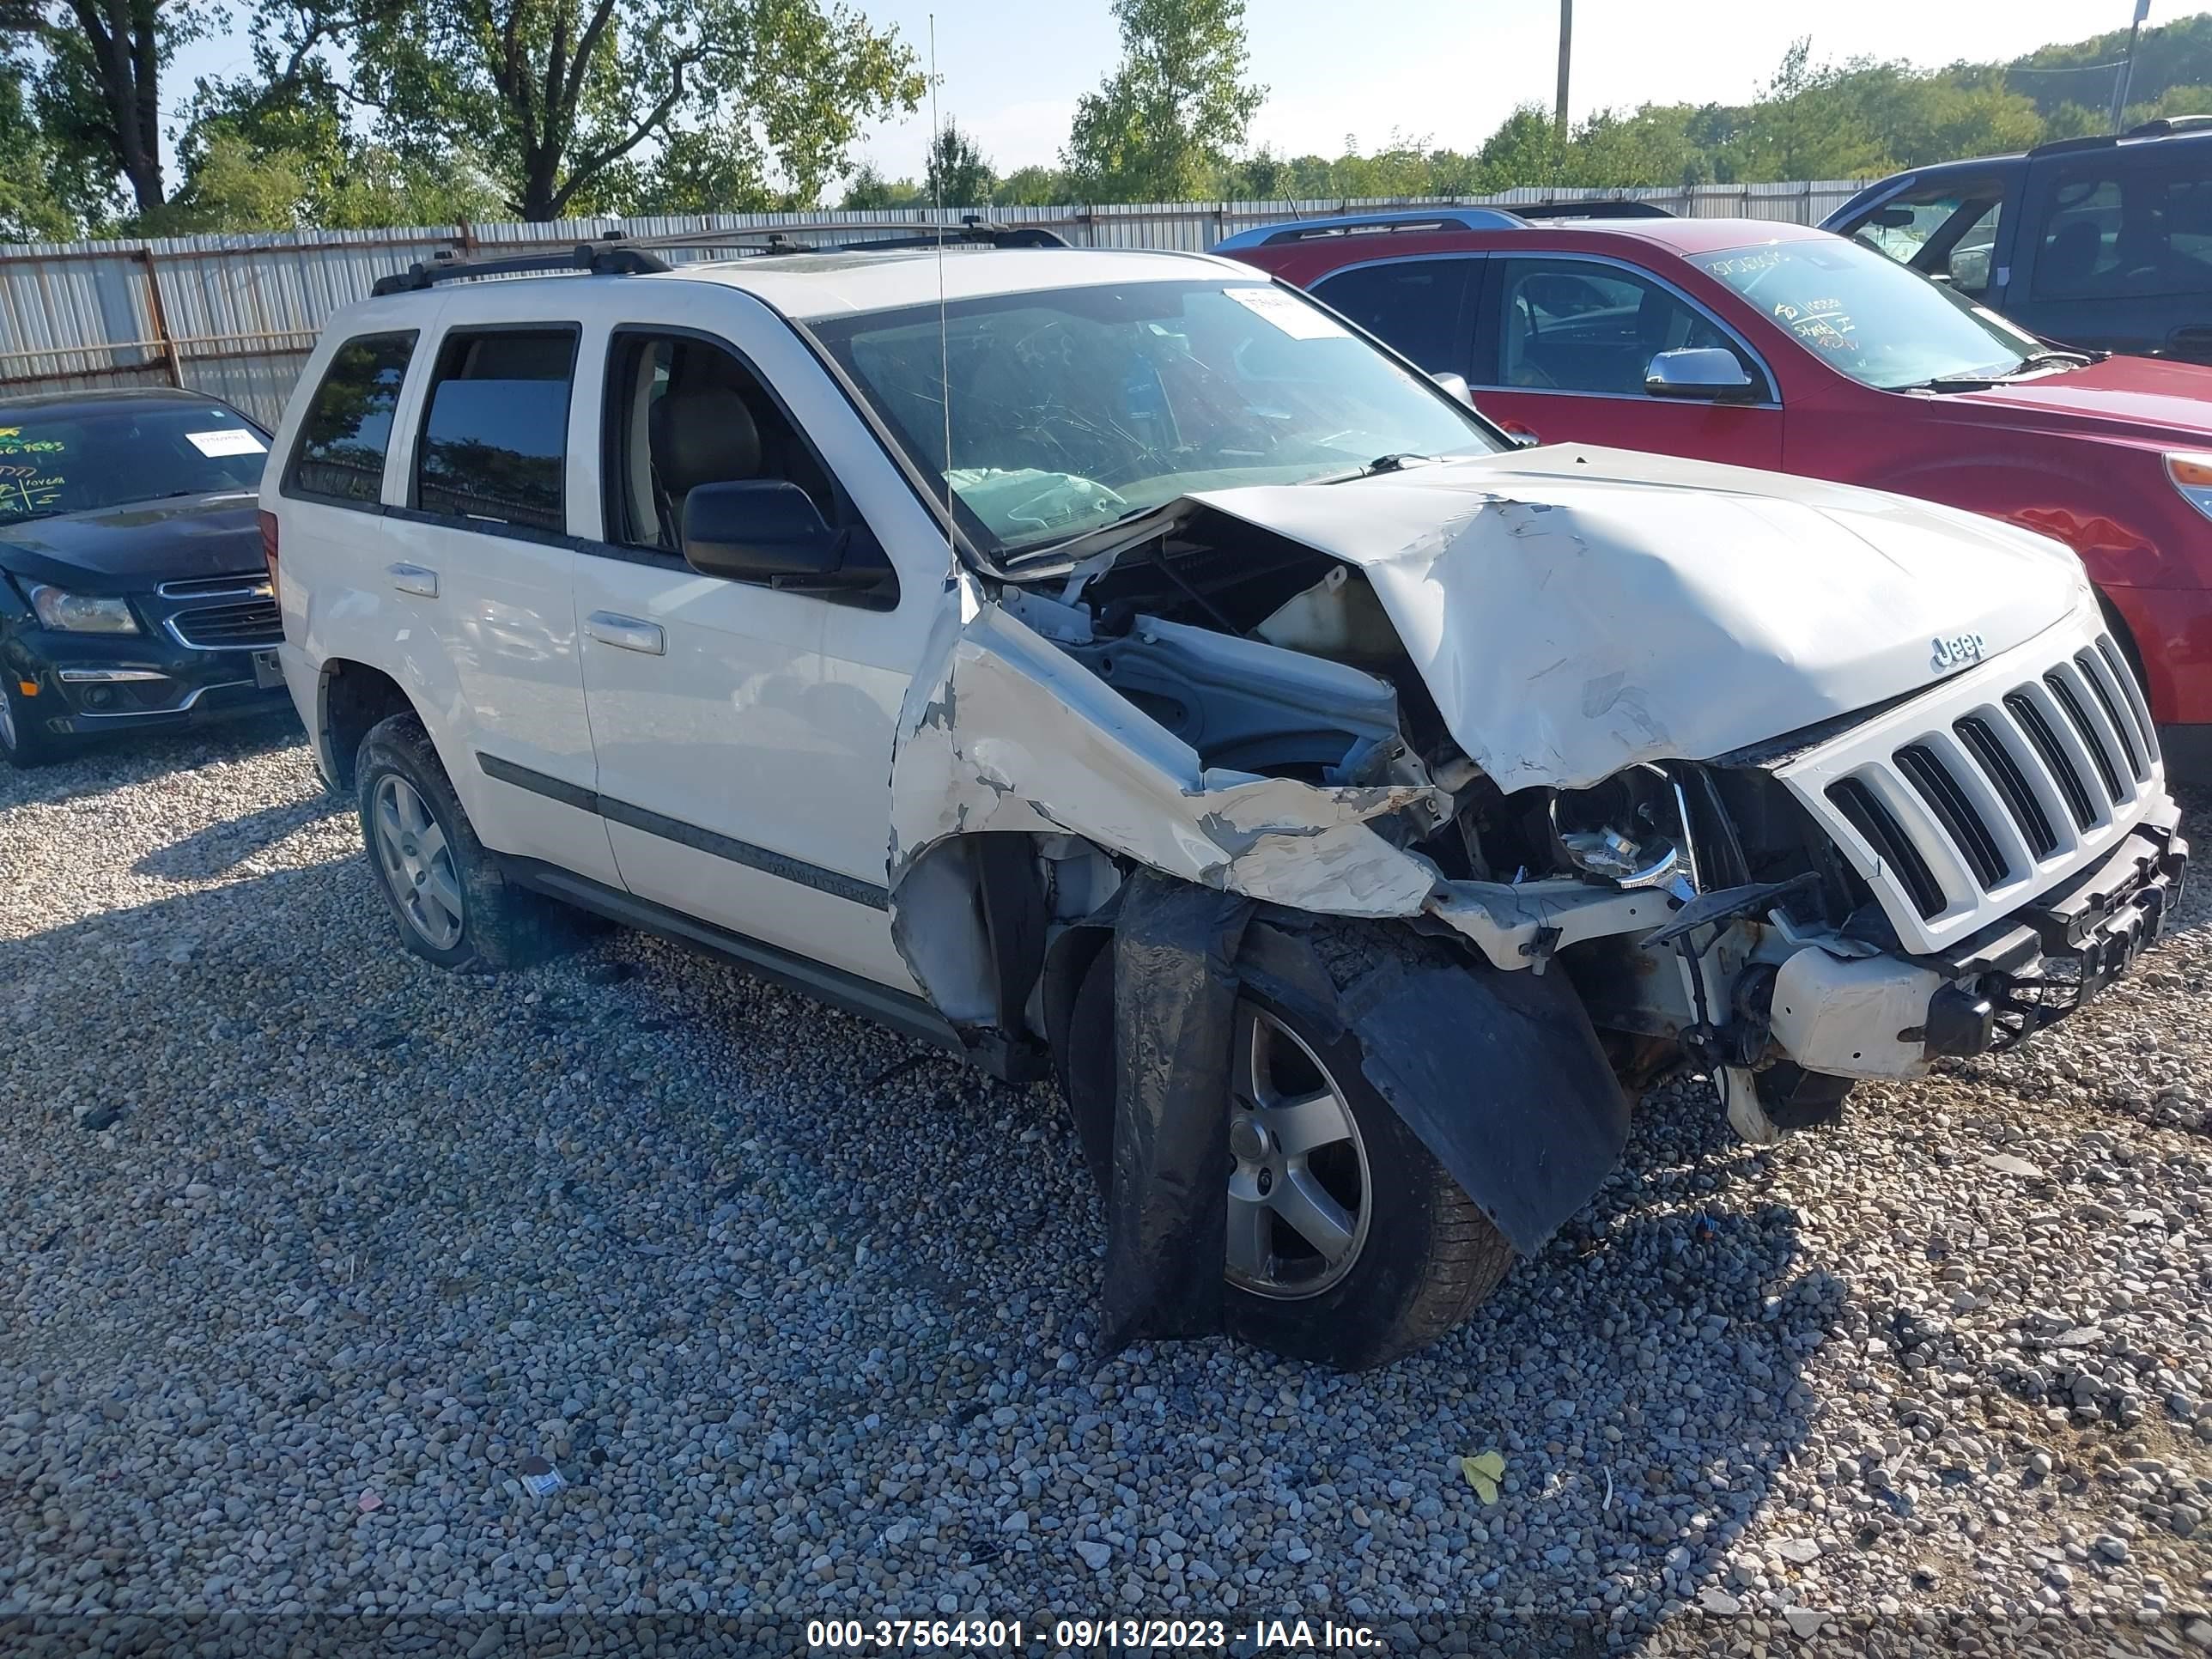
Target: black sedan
[133,592]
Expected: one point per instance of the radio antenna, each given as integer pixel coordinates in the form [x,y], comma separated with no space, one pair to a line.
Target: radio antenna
[944,338]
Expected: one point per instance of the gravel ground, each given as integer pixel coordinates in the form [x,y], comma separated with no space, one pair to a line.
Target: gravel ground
[315,1247]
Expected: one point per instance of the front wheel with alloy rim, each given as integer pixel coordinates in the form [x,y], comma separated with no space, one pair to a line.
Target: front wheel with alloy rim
[24,740]
[1347,1243]
[454,905]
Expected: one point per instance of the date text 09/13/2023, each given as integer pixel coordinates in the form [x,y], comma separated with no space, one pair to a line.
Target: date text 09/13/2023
[1270,1636]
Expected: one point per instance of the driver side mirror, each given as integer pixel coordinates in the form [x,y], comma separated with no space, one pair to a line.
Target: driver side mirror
[764,530]
[1709,375]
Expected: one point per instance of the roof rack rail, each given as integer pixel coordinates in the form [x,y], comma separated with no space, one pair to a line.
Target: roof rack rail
[1593,207]
[607,259]
[1395,220]
[2160,126]
[972,228]
[2163,127]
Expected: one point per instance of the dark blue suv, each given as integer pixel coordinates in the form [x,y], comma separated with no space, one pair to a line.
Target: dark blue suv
[2105,243]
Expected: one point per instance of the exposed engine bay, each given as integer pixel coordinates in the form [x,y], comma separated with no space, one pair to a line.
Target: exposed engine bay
[1331,698]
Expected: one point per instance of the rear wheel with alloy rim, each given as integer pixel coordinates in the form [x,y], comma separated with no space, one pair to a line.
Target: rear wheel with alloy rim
[418,866]
[453,903]
[1347,1243]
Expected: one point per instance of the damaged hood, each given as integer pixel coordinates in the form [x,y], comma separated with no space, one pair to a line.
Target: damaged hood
[1575,611]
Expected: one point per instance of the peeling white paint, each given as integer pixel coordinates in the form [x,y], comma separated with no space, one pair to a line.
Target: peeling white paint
[1002,731]
[1517,926]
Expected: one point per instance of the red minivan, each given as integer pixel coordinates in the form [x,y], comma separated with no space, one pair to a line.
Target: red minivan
[1778,346]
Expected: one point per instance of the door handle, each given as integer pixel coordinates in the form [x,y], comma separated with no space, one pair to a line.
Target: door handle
[414,578]
[2192,343]
[627,633]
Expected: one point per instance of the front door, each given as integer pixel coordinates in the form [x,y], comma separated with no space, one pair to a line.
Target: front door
[1563,347]
[2121,260]
[744,733]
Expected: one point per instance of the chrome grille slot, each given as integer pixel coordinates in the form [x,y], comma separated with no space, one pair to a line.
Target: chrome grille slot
[2072,703]
[242,625]
[2110,699]
[2056,761]
[2010,782]
[2131,691]
[244,584]
[1933,783]
[1878,826]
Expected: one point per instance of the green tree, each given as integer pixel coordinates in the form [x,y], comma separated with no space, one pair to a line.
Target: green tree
[868,188]
[1034,186]
[1651,146]
[95,75]
[1523,151]
[956,174]
[585,105]
[1165,122]
[2172,66]
[44,198]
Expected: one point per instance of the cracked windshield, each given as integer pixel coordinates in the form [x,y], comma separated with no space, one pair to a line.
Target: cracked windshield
[1073,408]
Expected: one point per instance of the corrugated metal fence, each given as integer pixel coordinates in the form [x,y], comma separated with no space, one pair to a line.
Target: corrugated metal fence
[236,315]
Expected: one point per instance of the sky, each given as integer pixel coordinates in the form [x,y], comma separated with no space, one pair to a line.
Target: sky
[1447,71]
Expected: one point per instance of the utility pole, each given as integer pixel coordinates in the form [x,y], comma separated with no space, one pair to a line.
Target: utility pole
[2119,87]
[1566,48]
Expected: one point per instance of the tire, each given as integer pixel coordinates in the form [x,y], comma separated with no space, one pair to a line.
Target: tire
[462,913]
[24,741]
[1425,1254]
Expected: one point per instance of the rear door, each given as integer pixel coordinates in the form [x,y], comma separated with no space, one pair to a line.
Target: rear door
[1562,345]
[1423,305]
[476,549]
[2120,254]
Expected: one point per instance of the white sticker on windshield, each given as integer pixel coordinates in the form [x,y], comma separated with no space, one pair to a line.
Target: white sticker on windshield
[229,441]
[1294,317]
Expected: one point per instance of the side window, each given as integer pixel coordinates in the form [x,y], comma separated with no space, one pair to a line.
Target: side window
[1947,230]
[347,430]
[1573,325]
[1414,304]
[2134,235]
[495,433]
[682,412]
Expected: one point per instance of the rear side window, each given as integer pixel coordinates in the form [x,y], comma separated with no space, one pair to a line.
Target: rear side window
[2131,233]
[1413,304]
[348,428]
[494,434]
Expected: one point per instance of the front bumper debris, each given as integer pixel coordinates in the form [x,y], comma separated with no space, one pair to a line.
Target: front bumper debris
[1888,1016]
[2065,951]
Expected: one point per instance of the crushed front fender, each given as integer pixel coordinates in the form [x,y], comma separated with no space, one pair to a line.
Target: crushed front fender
[1003,731]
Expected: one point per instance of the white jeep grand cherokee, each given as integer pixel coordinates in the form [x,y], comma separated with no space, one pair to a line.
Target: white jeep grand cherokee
[1353,808]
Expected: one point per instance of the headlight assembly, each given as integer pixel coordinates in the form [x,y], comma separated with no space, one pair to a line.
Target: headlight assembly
[80,613]
[2192,473]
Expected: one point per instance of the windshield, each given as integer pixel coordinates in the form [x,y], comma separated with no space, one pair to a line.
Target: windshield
[1071,407]
[1863,314]
[67,461]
